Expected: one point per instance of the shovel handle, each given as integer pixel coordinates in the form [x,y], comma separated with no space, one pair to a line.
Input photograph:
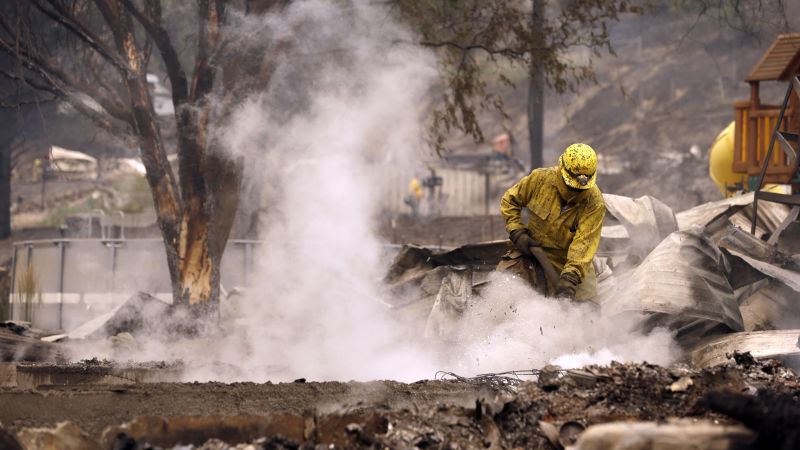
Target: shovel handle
[549,271]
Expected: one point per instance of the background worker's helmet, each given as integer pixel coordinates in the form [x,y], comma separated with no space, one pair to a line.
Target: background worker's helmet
[578,166]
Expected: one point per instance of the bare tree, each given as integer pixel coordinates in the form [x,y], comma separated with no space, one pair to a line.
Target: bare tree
[95,55]
[17,101]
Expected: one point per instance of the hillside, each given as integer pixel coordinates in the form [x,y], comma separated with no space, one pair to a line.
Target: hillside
[670,86]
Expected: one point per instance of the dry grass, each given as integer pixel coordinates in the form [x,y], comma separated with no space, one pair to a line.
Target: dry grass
[28,289]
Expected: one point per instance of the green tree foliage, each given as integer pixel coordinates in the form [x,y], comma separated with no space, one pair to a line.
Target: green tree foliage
[473,36]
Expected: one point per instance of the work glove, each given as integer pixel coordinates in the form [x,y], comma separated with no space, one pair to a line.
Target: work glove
[523,241]
[567,286]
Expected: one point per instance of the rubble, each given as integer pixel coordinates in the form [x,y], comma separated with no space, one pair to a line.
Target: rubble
[760,344]
[775,417]
[606,402]
[738,210]
[772,305]
[8,441]
[682,385]
[94,372]
[696,281]
[681,285]
[646,222]
[65,436]
[131,316]
[697,273]
[679,434]
[196,430]
[19,342]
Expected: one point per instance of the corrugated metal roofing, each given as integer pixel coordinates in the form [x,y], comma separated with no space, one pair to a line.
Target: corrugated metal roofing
[777,59]
[683,278]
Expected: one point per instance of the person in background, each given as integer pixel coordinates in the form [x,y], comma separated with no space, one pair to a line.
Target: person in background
[37,170]
[503,150]
[503,146]
[414,196]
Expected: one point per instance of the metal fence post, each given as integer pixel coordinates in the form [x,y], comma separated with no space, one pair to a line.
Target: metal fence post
[112,286]
[61,252]
[100,216]
[29,256]
[121,224]
[248,261]
[13,286]
[486,193]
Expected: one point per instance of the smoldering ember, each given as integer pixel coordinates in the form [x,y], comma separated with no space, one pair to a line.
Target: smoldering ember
[405,224]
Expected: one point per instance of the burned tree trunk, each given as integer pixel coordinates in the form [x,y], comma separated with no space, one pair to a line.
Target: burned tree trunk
[193,220]
[166,198]
[211,198]
[210,182]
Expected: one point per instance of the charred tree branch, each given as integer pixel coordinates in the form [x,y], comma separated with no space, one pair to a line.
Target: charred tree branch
[19,103]
[510,52]
[63,18]
[155,29]
[69,90]
[27,81]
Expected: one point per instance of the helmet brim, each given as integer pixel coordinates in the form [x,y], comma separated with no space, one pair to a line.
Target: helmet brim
[572,182]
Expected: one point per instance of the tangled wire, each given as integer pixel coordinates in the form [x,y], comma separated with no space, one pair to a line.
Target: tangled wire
[504,381]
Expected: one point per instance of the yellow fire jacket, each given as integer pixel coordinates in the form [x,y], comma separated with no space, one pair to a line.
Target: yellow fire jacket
[566,223]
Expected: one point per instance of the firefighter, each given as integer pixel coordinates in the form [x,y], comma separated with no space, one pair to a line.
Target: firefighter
[415,195]
[566,216]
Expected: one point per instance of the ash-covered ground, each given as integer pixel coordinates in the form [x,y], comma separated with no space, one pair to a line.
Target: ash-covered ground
[500,411]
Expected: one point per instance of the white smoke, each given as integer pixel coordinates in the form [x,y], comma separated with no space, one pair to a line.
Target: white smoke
[349,94]
[512,328]
[315,309]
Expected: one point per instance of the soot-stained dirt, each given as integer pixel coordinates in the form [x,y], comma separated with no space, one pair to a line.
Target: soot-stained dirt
[490,412]
[94,407]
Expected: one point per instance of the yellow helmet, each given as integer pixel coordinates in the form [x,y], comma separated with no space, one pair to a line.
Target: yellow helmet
[579,166]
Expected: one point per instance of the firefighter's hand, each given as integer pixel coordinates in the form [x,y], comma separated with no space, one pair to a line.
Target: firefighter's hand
[567,286]
[523,241]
